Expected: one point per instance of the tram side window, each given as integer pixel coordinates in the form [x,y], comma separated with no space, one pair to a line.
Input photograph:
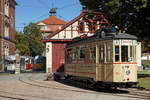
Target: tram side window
[69,55]
[101,53]
[108,54]
[131,54]
[124,53]
[76,53]
[93,53]
[82,52]
[116,53]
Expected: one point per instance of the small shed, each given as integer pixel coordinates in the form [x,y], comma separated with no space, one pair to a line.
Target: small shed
[86,23]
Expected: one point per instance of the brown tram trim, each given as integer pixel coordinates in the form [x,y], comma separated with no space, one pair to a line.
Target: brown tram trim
[81,72]
[121,63]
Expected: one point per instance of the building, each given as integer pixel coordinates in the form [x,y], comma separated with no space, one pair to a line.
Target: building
[51,24]
[86,23]
[7,29]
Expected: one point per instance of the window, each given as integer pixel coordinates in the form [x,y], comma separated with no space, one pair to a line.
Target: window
[108,53]
[131,58]
[116,53]
[69,55]
[76,53]
[81,27]
[101,53]
[6,8]
[90,26]
[82,52]
[43,27]
[124,53]
[93,53]
[6,49]
[6,34]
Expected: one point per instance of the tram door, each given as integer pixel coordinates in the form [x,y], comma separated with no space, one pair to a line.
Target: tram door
[101,63]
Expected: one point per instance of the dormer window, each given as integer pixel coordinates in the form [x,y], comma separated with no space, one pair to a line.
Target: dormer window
[43,27]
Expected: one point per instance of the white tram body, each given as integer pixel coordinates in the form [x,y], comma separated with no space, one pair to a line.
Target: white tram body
[106,58]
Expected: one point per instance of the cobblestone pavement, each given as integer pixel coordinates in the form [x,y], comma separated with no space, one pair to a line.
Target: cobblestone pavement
[31,86]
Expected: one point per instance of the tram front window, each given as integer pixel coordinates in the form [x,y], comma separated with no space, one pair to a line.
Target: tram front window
[124,53]
[116,53]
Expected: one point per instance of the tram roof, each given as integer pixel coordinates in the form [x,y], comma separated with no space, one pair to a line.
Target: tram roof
[101,36]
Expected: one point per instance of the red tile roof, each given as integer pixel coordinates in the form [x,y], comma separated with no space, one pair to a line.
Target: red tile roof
[53,20]
[53,23]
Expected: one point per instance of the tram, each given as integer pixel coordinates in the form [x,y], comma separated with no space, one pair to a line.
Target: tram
[108,58]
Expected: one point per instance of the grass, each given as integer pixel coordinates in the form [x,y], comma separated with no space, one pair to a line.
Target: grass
[144,80]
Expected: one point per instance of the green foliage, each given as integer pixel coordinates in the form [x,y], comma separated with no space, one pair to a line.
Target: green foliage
[34,35]
[91,4]
[21,43]
[111,6]
[30,42]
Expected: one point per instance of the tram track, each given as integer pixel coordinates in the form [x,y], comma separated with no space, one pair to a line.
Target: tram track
[20,96]
[120,93]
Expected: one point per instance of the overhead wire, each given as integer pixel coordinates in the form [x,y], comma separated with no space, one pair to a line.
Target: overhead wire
[31,6]
[63,17]
[24,24]
[39,17]
[67,6]
[44,4]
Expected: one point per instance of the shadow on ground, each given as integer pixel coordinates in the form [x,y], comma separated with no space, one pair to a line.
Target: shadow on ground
[143,75]
[99,89]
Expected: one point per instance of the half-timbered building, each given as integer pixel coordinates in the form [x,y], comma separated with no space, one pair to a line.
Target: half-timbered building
[83,25]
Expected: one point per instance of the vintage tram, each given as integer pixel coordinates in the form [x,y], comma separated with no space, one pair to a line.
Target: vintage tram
[108,58]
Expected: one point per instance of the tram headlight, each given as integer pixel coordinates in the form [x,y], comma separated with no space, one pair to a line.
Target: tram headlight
[128,72]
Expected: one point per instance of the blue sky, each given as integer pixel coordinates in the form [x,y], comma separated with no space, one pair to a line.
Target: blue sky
[36,10]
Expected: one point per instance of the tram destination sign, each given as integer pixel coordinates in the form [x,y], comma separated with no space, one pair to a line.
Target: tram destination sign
[126,42]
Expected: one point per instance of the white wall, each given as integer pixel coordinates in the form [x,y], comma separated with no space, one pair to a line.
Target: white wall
[48,57]
[138,54]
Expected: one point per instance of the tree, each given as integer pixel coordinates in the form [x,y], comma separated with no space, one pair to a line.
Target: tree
[123,13]
[132,15]
[33,34]
[22,43]
[29,42]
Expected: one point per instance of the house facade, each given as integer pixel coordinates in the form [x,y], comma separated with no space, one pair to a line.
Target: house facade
[49,25]
[7,29]
[84,24]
